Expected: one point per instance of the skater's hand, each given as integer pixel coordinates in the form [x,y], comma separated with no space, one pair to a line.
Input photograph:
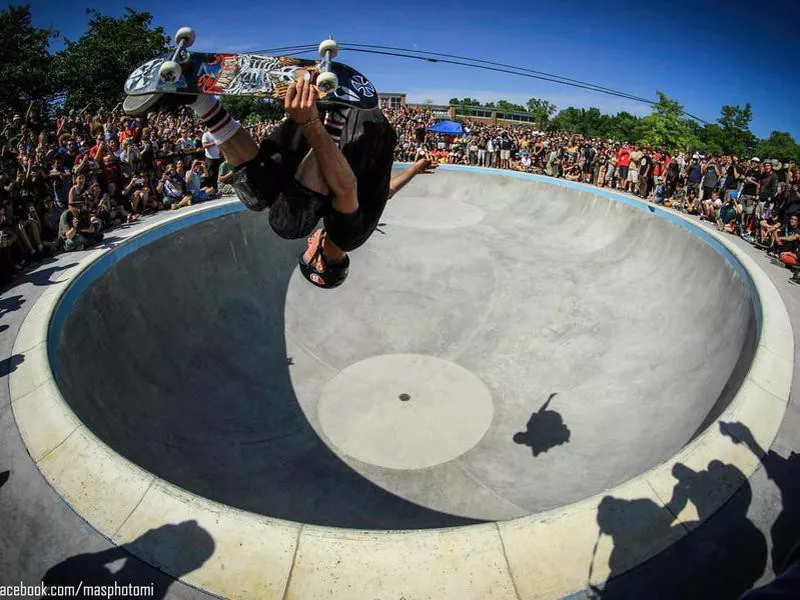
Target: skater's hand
[425,165]
[301,102]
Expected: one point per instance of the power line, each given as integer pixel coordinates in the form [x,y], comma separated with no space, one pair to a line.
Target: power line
[454,59]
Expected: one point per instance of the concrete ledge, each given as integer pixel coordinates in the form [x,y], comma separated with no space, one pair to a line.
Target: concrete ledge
[244,555]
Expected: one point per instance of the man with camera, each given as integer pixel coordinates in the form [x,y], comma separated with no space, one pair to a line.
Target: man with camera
[75,227]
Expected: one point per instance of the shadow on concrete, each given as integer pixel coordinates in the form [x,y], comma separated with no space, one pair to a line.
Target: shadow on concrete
[785,474]
[722,558]
[545,430]
[184,548]
[204,398]
[41,277]
[10,304]
[4,477]
[10,364]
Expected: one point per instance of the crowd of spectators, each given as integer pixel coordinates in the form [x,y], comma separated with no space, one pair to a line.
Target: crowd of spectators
[751,197]
[70,177]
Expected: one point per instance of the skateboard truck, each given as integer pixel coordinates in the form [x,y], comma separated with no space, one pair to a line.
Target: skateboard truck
[327,81]
[170,70]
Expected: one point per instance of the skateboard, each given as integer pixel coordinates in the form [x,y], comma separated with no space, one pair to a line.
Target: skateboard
[245,74]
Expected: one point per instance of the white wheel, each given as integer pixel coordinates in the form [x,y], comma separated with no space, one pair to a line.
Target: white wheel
[169,71]
[185,33]
[328,46]
[327,82]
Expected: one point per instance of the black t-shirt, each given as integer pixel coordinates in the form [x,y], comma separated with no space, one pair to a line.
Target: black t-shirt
[645,165]
[673,170]
[750,187]
[769,186]
[368,143]
[731,179]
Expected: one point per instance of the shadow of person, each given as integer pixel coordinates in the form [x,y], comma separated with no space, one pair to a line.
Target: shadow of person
[10,304]
[181,548]
[4,477]
[721,560]
[785,474]
[10,364]
[41,276]
[545,430]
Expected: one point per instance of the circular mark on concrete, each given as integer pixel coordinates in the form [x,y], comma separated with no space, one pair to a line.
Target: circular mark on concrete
[448,412]
[431,213]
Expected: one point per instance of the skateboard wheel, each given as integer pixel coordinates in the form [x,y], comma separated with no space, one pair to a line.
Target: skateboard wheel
[327,82]
[169,71]
[185,34]
[328,46]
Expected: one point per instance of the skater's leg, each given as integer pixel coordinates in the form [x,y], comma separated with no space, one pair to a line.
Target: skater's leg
[236,143]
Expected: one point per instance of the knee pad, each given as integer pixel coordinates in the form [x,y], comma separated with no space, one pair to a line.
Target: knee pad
[346,230]
[257,183]
[296,211]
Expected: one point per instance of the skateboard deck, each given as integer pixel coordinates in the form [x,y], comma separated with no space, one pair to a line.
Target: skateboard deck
[254,75]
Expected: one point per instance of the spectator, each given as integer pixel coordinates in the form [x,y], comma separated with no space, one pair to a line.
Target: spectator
[76,230]
[212,158]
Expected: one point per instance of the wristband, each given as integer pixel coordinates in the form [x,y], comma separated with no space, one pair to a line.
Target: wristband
[309,121]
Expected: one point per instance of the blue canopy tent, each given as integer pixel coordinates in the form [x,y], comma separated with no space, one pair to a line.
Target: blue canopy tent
[447,127]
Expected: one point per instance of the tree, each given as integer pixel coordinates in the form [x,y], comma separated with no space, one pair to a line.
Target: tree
[507,106]
[780,145]
[711,139]
[25,64]
[249,110]
[541,110]
[665,127]
[569,119]
[736,136]
[93,69]
[623,127]
[464,102]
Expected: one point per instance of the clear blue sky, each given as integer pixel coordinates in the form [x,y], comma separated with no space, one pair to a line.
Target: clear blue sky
[704,53]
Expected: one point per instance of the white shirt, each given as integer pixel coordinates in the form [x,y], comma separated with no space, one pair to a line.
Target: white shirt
[213,151]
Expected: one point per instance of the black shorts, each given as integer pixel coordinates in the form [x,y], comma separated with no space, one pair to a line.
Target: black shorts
[368,143]
[623,173]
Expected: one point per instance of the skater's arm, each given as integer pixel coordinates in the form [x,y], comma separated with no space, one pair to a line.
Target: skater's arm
[424,165]
[301,104]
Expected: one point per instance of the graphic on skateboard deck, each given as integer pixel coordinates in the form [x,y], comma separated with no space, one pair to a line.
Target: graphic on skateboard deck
[249,74]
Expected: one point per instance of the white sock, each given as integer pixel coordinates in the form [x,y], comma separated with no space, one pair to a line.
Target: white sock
[219,123]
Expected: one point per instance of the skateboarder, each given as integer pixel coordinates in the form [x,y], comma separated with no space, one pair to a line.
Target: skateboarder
[334,166]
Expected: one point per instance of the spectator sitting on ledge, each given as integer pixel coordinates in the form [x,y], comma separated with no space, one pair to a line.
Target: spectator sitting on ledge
[75,228]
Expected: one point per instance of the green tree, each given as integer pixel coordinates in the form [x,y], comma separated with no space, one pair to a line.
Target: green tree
[464,102]
[736,136]
[665,127]
[25,63]
[93,69]
[623,127]
[780,145]
[507,106]
[711,139]
[250,110]
[569,119]
[541,110]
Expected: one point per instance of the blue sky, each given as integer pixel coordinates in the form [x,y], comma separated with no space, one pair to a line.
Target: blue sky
[702,53]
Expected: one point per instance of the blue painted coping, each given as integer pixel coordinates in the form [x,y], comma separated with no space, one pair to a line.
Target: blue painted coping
[109,259]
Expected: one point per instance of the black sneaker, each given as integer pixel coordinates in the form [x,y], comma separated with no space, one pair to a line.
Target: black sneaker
[140,105]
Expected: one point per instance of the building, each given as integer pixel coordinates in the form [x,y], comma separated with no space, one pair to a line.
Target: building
[447,111]
[391,100]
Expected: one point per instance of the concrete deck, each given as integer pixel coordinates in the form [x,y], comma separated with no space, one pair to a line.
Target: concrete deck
[196,353]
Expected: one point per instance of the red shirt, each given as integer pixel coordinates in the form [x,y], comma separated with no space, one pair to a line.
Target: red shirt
[623,157]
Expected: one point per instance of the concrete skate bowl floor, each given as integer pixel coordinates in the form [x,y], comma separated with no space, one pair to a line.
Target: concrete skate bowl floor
[506,349]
